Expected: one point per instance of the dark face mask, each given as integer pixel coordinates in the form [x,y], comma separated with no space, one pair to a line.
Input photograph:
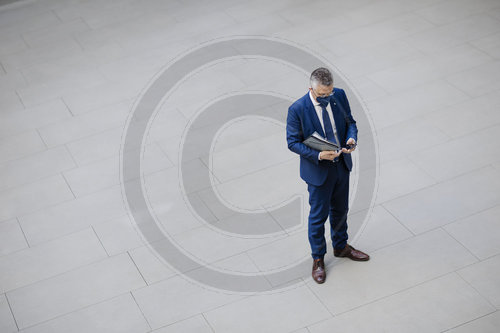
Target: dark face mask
[323,101]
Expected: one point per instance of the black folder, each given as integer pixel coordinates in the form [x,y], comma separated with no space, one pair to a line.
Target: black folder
[316,142]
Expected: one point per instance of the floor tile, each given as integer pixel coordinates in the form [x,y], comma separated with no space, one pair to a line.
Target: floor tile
[426,74]
[209,244]
[11,237]
[175,299]
[268,187]
[480,233]
[467,117]
[195,324]
[437,301]
[390,269]
[46,260]
[455,33]
[444,12]
[16,146]
[483,276]
[481,79]
[378,33]
[414,102]
[33,118]
[444,203]
[27,198]
[488,44]
[400,177]
[447,159]
[486,324]
[381,229]
[7,323]
[406,139]
[118,235]
[119,314]
[85,125]
[74,290]
[282,253]
[296,307]
[427,69]
[72,215]
[53,33]
[96,147]
[34,167]
[152,269]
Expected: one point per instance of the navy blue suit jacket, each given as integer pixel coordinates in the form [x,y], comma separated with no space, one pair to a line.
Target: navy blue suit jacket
[303,121]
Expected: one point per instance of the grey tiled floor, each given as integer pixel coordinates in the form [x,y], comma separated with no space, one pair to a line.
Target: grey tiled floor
[71,259]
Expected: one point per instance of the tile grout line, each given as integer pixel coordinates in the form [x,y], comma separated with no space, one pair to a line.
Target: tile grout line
[100,242]
[437,183]
[157,144]
[19,96]
[65,201]
[464,217]
[115,126]
[459,242]
[138,270]
[52,10]
[138,306]
[179,321]
[469,43]
[74,311]
[30,212]
[24,234]
[317,297]
[398,292]
[35,180]
[41,139]
[284,230]
[430,111]
[407,288]
[399,221]
[33,246]
[475,289]
[67,184]
[488,13]
[98,260]
[11,311]
[67,107]
[477,262]
[252,261]
[72,158]
[206,320]
[469,321]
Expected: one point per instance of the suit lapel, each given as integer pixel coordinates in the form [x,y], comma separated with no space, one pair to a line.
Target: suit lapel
[314,116]
[338,116]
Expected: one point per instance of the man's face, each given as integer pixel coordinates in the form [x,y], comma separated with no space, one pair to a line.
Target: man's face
[322,91]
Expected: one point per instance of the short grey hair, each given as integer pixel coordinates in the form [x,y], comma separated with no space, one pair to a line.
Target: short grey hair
[321,76]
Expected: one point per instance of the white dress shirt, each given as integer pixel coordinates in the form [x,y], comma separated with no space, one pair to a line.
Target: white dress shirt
[319,112]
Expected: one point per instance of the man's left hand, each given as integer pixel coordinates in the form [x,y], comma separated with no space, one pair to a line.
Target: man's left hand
[352,142]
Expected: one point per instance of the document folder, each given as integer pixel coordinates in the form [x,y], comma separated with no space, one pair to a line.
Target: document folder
[316,142]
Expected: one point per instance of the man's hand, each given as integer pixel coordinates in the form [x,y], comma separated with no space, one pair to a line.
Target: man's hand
[352,142]
[329,154]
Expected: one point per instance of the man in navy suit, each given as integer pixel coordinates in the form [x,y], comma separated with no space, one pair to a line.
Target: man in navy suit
[325,110]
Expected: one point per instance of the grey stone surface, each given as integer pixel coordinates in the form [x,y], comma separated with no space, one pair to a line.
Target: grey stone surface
[72,258]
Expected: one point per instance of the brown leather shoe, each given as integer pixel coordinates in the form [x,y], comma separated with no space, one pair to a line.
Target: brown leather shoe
[351,253]
[318,271]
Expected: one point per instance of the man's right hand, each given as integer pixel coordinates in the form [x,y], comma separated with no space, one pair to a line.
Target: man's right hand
[329,154]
